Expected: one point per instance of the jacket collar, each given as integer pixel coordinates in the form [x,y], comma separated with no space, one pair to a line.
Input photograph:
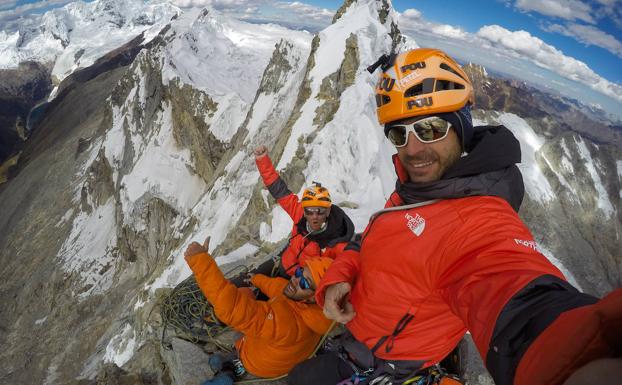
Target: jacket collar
[489,169]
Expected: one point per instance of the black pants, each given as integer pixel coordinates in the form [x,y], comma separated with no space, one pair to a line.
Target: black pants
[324,369]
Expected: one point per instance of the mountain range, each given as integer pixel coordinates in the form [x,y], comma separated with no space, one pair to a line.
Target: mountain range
[141,142]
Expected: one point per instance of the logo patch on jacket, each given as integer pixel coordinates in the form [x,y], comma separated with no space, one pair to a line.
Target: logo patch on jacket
[530,244]
[416,224]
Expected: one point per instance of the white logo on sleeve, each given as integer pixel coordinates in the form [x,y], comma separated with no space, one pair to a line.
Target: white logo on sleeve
[530,244]
[416,224]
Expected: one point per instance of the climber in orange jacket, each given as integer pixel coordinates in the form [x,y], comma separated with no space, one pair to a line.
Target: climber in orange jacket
[320,229]
[449,253]
[278,333]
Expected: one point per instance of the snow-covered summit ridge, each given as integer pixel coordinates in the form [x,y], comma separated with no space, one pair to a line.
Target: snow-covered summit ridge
[348,149]
[222,55]
[77,34]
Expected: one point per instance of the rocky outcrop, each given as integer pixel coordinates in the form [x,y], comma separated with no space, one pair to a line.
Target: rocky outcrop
[98,187]
[119,57]
[187,363]
[304,93]
[20,90]
[333,86]
[40,200]
[191,111]
[277,70]
[285,74]
[344,7]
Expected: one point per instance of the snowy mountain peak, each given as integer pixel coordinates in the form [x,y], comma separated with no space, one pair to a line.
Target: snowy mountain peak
[77,34]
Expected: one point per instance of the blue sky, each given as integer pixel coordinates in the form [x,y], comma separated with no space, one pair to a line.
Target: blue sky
[601,60]
[573,47]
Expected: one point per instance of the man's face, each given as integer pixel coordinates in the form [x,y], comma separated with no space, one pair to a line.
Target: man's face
[295,292]
[427,162]
[316,216]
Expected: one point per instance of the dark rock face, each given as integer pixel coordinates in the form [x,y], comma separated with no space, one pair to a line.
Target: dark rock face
[119,57]
[41,200]
[333,86]
[20,90]
[34,202]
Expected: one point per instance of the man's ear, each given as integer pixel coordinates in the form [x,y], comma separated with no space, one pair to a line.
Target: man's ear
[328,212]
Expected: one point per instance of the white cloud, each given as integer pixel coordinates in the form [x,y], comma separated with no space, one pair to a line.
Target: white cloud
[239,5]
[11,14]
[292,14]
[412,19]
[589,35]
[496,40]
[612,10]
[306,10]
[7,4]
[521,44]
[608,3]
[449,31]
[412,13]
[564,9]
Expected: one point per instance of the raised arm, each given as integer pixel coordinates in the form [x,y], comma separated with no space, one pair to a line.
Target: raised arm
[269,286]
[276,186]
[233,306]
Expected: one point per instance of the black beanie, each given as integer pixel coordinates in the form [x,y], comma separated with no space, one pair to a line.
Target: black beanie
[463,124]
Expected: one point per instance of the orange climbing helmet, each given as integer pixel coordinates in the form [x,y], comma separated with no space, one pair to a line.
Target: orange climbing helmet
[316,196]
[423,81]
[318,267]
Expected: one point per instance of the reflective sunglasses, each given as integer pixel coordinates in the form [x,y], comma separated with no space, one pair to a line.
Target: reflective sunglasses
[428,130]
[303,283]
[315,210]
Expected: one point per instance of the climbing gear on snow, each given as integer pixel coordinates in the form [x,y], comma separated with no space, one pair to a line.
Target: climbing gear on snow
[316,196]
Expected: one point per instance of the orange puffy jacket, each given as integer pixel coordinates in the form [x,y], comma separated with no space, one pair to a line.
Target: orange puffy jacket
[278,333]
[328,244]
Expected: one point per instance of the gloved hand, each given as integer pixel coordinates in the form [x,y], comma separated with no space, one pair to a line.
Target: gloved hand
[220,379]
